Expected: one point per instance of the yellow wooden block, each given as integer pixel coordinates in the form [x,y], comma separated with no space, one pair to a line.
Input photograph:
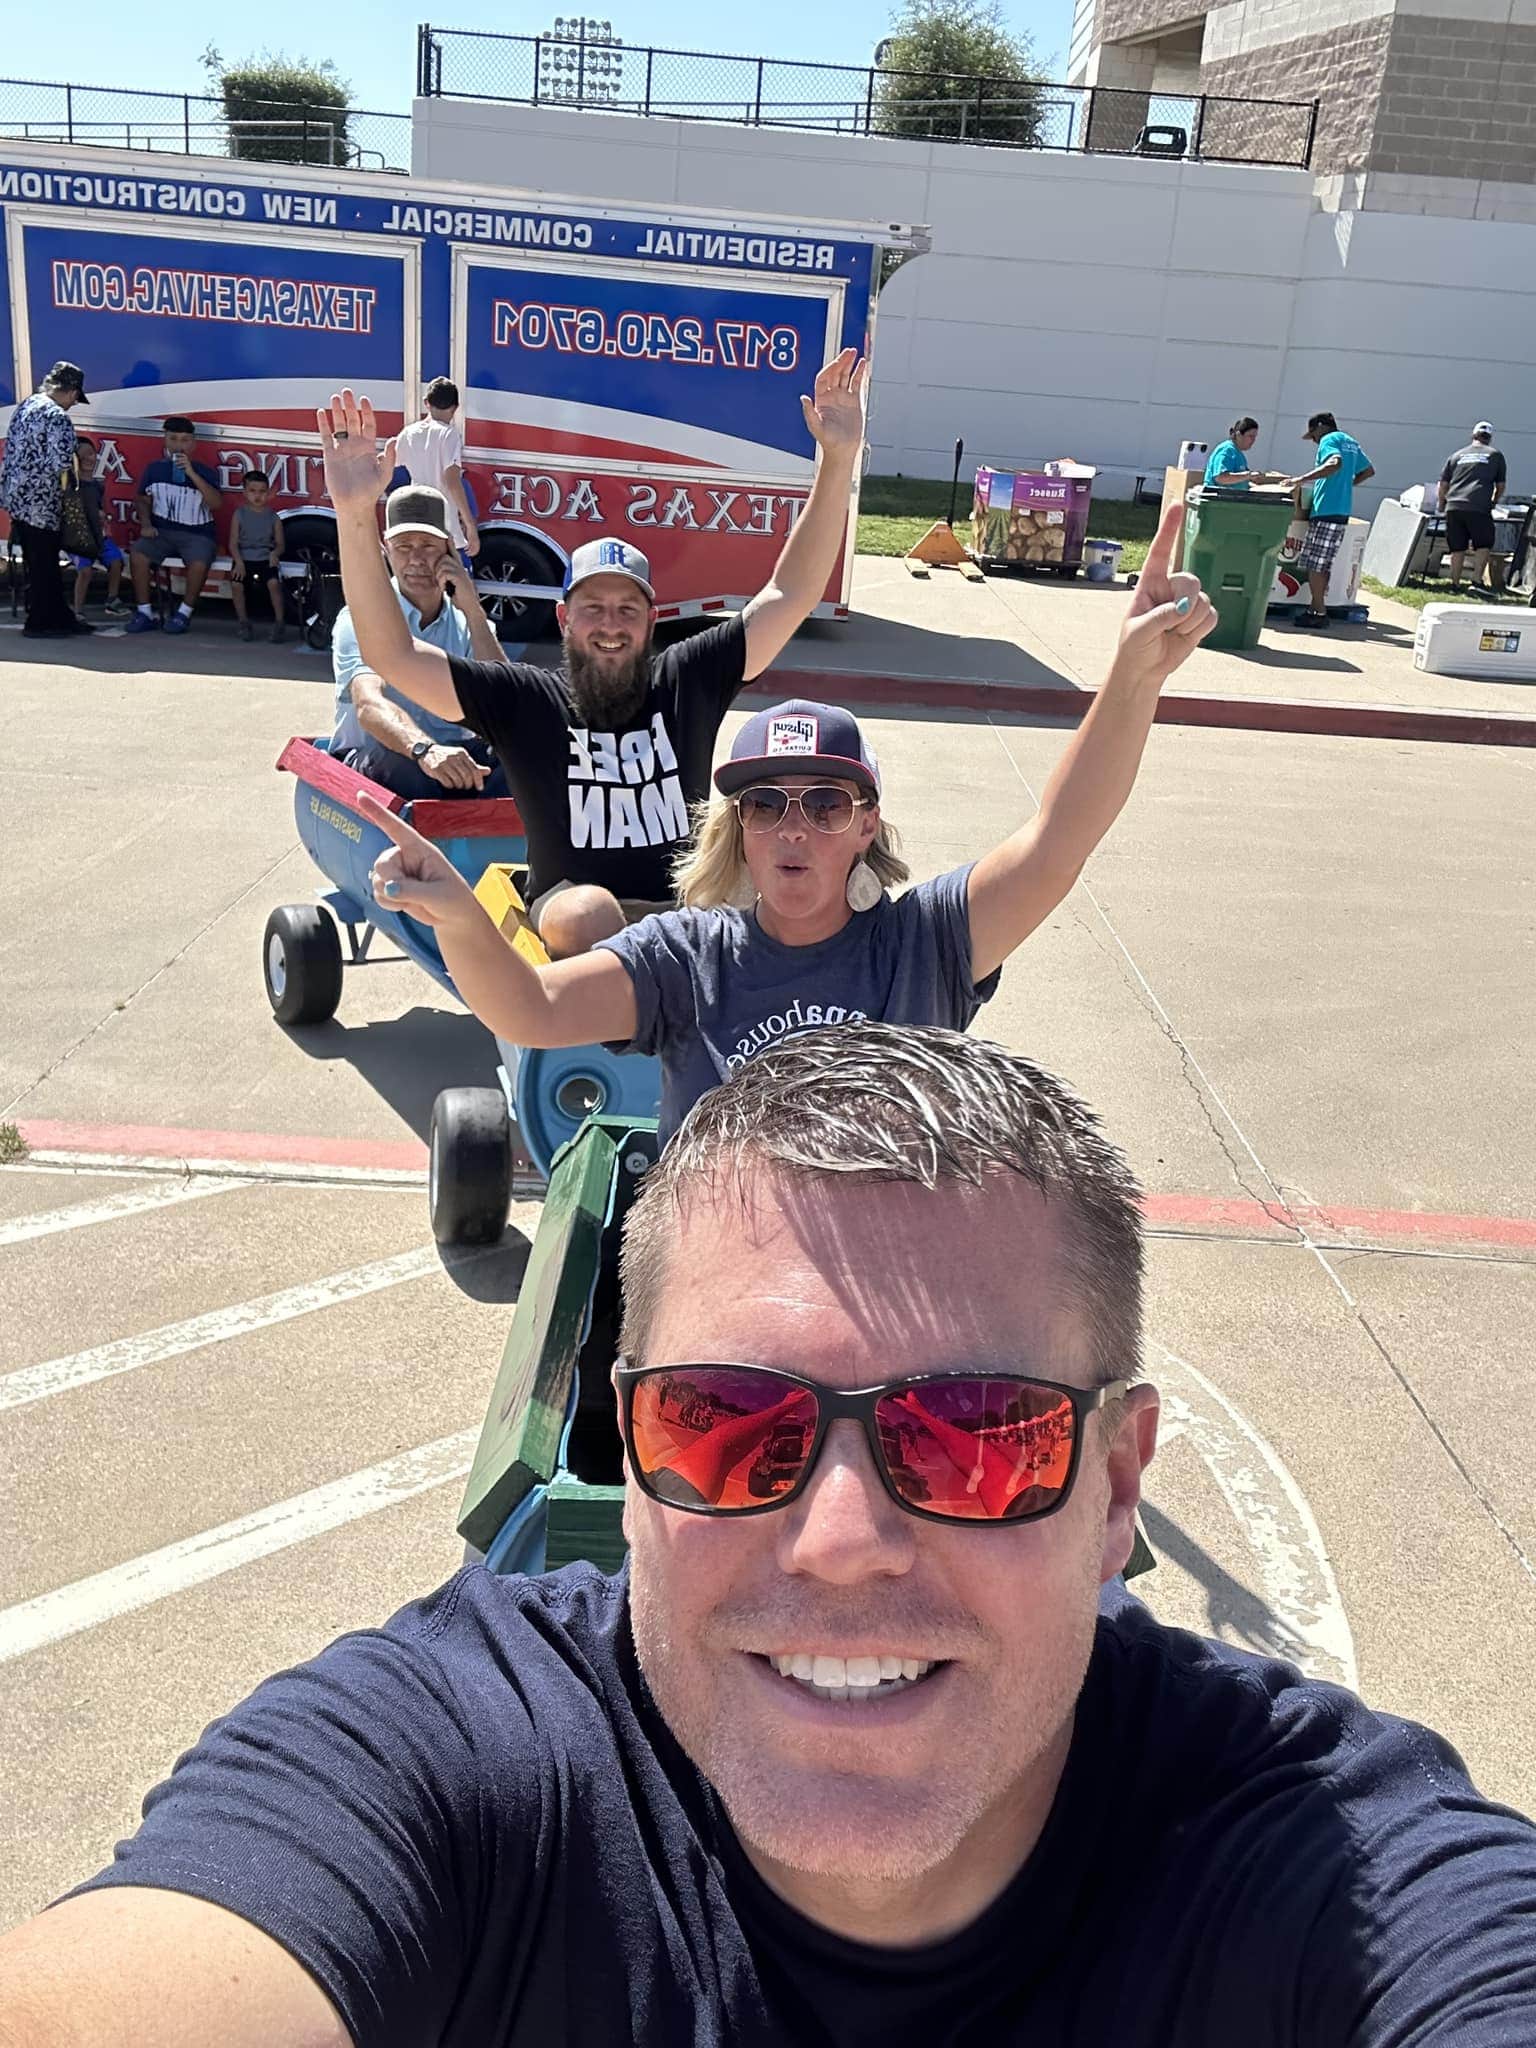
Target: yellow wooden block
[497,893]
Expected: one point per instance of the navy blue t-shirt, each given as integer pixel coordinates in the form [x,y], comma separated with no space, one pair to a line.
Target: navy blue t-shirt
[475,1831]
[712,988]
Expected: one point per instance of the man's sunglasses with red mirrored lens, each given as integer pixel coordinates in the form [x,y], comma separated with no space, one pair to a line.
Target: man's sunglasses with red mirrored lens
[972,1447]
[824,807]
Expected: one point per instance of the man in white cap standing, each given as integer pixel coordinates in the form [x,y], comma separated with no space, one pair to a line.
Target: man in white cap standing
[608,753]
[1471,484]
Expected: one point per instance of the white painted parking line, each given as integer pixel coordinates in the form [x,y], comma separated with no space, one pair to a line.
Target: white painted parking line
[141,1582]
[173,1340]
[132,1202]
[1295,1575]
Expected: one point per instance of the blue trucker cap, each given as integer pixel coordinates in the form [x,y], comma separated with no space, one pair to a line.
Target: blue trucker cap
[608,557]
[799,738]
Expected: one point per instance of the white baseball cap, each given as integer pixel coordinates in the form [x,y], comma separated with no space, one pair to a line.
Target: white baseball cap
[1483,427]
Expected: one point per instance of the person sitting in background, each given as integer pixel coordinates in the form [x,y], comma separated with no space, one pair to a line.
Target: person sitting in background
[255,550]
[1341,464]
[177,500]
[380,731]
[107,553]
[431,450]
[1229,459]
[39,447]
[1471,484]
[801,839]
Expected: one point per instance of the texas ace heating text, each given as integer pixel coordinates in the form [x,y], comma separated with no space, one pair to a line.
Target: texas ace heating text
[620,370]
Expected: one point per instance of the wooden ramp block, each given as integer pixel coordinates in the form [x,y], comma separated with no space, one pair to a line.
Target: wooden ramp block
[498,895]
[918,569]
[939,547]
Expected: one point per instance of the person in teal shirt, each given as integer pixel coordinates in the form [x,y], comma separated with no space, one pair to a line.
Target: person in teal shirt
[1229,461]
[1341,464]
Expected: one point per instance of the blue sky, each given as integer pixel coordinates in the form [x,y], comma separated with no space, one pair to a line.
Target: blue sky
[373,42]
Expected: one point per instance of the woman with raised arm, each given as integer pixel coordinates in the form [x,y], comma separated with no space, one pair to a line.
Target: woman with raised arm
[786,919]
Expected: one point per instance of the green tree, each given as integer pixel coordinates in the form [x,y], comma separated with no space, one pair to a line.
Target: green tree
[951,68]
[283,110]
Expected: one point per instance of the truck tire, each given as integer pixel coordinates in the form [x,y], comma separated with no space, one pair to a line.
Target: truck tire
[469,1166]
[301,964]
[507,557]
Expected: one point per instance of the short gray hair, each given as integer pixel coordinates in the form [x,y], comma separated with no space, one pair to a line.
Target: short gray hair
[881,1102]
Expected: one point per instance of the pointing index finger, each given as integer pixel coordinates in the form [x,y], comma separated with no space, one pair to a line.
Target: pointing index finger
[406,837]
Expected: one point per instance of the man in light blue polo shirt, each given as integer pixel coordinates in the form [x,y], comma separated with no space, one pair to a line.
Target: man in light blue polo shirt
[1341,464]
[381,732]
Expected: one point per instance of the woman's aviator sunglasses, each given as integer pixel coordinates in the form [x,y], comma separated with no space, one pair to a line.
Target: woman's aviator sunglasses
[825,807]
[970,1447]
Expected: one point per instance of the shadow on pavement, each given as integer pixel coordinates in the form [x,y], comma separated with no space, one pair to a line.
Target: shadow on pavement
[407,1059]
[1231,1610]
[1286,657]
[493,1275]
[881,646]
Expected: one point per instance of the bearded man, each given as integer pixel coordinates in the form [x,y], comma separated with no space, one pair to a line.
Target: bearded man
[607,754]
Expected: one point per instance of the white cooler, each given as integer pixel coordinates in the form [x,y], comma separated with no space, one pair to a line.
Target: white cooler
[1493,640]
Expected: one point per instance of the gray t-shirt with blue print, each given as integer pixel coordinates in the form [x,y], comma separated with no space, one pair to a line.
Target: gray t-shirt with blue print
[712,989]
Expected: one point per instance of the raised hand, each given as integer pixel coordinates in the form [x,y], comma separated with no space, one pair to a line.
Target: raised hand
[413,877]
[356,468]
[1169,616]
[835,415]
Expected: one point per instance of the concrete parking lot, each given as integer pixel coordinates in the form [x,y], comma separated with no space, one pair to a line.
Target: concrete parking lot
[239,1385]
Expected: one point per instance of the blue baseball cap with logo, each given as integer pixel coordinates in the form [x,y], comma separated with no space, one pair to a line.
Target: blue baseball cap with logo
[609,557]
[799,738]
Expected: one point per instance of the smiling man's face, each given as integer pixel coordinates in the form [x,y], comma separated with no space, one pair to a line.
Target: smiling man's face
[850,1285]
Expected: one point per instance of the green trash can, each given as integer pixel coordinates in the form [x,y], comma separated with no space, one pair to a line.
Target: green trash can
[1232,542]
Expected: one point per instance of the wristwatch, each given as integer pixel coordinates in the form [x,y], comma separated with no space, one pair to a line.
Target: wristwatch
[422,747]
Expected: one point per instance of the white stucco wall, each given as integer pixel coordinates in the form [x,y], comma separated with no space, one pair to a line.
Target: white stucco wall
[1100,307]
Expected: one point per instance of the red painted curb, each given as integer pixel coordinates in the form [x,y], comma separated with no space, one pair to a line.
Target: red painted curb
[1421,1226]
[1245,714]
[155,1141]
[1163,1212]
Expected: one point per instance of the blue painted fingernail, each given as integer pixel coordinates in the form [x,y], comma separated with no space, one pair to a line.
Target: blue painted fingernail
[1183,605]
[391,888]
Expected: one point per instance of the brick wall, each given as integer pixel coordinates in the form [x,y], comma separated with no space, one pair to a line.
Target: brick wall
[1343,68]
[1121,18]
[1458,100]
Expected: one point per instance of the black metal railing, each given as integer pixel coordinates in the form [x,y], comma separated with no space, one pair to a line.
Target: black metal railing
[192,124]
[775,92]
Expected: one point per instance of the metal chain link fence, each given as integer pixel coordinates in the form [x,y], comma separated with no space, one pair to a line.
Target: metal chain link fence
[770,92]
[191,124]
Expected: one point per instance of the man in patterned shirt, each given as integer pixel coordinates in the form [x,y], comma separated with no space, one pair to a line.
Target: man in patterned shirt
[39,446]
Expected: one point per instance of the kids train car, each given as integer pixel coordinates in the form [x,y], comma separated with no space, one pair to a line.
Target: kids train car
[623,369]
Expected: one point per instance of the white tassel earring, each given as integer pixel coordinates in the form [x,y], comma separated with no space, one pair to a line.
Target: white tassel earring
[863,891]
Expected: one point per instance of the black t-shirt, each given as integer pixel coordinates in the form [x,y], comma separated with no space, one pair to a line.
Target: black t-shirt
[608,807]
[474,1830]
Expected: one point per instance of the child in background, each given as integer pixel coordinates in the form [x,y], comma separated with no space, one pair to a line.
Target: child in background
[255,552]
[108,553]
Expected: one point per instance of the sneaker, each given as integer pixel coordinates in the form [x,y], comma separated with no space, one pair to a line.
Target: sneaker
[83,625]
[279,630]
[1312,622]
[143,622]
[114,608]
[178,622]
[243,628]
